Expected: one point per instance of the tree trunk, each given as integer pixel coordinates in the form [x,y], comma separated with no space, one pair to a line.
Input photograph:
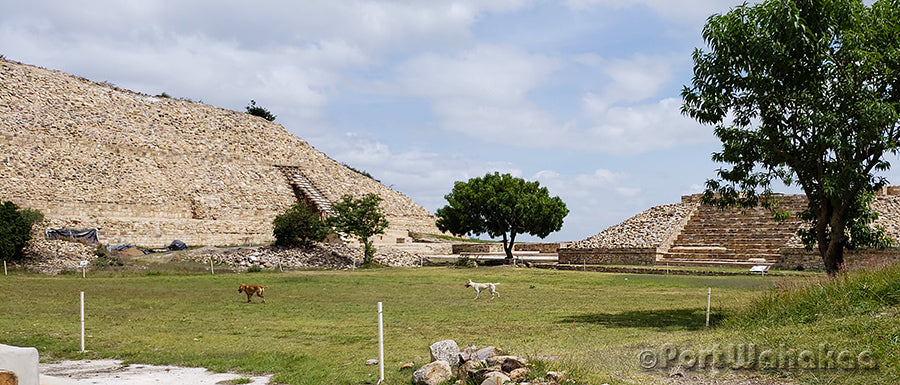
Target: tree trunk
[834,259]
[368,251]
[830,235]
[508,247]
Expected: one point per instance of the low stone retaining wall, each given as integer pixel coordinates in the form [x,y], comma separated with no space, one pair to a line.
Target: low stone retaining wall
[545,248]
[647,270]
[797,258]
[608,256]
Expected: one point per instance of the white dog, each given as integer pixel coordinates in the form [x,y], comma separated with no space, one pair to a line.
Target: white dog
[483,286]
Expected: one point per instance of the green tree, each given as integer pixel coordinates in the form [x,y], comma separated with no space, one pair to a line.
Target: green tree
[298,225]
[255,110]
[501,206]
[360,218]
[15,230]
[804,92]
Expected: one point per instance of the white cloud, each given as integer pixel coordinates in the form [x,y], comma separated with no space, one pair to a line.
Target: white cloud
[483,92]
[642,128]
[424,176]
[595,201]
[633,80]
[483,74]
[684,11]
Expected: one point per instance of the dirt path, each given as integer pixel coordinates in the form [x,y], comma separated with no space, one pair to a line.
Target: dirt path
[112,372]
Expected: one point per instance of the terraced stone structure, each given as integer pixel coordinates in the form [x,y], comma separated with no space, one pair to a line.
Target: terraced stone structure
[147,170]
[694,234]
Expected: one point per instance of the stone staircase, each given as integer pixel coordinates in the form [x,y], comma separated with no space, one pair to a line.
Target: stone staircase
[306,191]
[732,237]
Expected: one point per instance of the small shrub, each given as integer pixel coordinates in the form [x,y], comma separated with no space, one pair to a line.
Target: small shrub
[298,225]
[464,261]
[153,273]
[363,173]
[254,269]
[101,251]
[255,110]
[15,230]
[32,216]
[106,261]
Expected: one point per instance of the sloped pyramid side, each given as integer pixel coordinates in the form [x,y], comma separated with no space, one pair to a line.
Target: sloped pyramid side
[148,169]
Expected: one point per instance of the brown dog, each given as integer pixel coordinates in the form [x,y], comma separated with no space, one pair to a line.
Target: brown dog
[253,289]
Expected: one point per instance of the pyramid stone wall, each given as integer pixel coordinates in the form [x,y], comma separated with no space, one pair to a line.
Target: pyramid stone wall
[147,170]
[695,234]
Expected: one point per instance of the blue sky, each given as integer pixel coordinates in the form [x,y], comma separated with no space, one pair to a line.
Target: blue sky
[581,95]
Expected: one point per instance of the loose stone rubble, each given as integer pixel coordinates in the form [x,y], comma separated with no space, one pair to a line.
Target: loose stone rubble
[317,256]
[53,257]
[485,366]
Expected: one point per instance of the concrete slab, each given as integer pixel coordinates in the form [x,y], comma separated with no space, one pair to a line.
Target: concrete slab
[21,361]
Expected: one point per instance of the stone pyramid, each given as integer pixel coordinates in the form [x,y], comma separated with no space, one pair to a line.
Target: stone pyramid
[147,170]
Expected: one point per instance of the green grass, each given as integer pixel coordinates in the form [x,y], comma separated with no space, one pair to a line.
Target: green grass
[856,311]
[320,326]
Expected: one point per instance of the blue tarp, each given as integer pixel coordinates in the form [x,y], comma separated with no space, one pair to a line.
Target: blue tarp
[86,235]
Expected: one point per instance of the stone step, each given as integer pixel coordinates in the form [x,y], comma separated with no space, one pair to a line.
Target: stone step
[308,189]
[711,263]
[722,255]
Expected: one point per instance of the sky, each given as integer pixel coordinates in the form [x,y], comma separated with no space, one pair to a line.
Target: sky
[582,96]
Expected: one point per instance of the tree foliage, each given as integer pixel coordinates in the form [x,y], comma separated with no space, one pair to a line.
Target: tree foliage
[360,218]
[501,206]
[804,92]
[255,110]
[298,225]
[15,230]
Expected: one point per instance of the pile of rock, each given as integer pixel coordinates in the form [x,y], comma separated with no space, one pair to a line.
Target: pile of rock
[318,256]
[54,256]
[393,256]
[485,366]
[647,229]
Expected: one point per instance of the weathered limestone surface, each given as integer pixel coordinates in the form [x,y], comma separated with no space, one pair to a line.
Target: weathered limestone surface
[650,228]
[644,238]
[148,170]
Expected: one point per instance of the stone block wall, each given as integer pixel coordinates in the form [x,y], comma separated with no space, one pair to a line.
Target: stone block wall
[608,256]
[546,248]
[797,258]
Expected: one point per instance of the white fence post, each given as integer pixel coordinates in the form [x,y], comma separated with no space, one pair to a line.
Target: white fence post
[82,322]
[708,295]
[380,345]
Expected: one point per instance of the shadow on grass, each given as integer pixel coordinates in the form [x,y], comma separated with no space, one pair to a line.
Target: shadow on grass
[667,319]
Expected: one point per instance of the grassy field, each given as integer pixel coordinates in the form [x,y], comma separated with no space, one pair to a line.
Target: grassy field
[321,326]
